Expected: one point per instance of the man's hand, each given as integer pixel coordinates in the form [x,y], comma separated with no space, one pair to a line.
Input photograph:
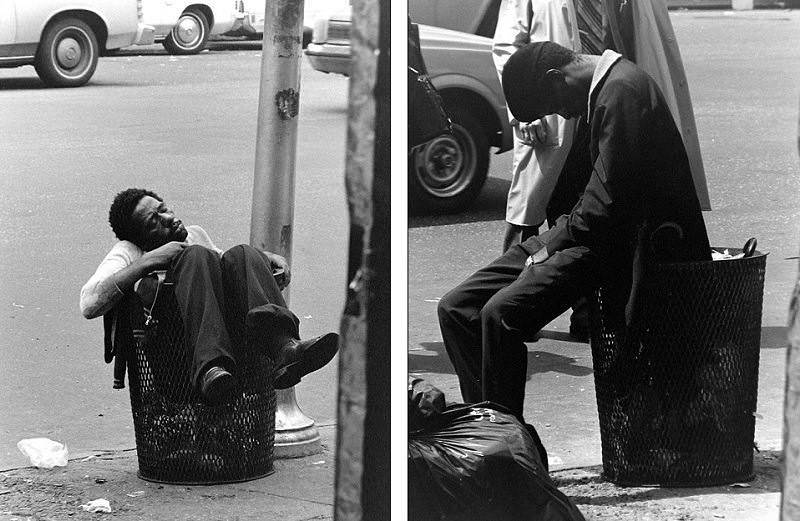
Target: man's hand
[534,133]
[161,257]
[278,262]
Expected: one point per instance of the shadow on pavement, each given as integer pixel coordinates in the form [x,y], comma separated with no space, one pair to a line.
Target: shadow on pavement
[22,84]
[37,84]
[489,206]
[432,358]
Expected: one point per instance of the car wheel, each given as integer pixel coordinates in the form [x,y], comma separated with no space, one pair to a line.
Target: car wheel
[189,35]
[67,55]
[448,172]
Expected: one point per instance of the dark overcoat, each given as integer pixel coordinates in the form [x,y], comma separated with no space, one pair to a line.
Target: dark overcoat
[640,204]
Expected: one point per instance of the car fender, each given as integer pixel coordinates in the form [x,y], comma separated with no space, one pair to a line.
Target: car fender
[452,81]
[120,19]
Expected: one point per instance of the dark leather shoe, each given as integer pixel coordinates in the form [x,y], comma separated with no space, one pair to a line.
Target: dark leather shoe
[217,385]
[297,358]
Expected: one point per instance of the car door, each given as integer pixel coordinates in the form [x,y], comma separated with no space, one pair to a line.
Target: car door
[8,28]
[457,15]
[162,14]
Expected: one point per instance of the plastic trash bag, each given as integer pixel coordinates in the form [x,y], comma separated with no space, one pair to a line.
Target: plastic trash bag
[43,452]
[425,402]
[478,463]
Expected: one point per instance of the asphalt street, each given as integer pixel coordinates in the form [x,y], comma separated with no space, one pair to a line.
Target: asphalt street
[184,127]
[743,75]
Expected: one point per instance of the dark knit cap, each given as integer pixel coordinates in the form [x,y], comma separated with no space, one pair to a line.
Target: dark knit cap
[524,84]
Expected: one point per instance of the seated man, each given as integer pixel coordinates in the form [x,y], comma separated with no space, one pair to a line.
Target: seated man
[638,207]
[224,298]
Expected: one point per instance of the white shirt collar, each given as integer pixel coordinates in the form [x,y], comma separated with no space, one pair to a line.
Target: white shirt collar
[607,59]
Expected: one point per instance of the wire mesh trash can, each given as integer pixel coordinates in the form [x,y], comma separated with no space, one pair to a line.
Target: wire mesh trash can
[179,438]
[677,400]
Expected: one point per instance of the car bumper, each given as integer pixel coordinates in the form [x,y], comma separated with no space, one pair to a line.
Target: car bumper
[329,58]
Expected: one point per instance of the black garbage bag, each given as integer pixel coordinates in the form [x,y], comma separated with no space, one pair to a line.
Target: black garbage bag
[425,404]
[477,463]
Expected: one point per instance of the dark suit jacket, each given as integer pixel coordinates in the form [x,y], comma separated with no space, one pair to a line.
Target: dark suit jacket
[640,186]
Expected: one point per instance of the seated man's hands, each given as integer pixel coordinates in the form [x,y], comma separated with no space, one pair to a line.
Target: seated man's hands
[535,133]
[278,262]
[161,257]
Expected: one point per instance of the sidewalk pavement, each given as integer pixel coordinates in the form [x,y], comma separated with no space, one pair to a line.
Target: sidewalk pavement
[299,489]
[560,403]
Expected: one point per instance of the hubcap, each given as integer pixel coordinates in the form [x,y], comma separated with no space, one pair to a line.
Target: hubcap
[188,31]
[445,167]
[68,53]
[443,162]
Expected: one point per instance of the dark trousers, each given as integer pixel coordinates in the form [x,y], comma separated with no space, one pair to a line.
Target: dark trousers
[215,293]
[485,318]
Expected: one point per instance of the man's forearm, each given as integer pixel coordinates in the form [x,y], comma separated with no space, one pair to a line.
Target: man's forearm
[111,289]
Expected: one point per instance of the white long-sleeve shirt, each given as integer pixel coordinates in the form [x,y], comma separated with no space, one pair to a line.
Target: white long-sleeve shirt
[97,295]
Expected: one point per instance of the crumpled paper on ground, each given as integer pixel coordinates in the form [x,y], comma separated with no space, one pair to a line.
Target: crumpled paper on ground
[97,505]
[44,452]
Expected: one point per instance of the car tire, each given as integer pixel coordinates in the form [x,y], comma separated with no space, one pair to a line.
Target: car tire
[447,173]
[67,54]
[189,35]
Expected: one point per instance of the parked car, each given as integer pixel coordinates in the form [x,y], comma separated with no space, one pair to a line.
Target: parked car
[477,17]
[447,173]
[184,26]
[63,39]
[252,22]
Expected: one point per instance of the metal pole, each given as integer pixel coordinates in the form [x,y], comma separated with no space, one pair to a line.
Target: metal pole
[273,186]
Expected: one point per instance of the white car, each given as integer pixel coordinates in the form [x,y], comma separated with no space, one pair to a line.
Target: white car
[447,173]
[184,26]
[63,39]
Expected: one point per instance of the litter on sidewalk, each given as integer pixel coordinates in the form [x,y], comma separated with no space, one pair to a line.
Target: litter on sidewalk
[97,505]
[44,452]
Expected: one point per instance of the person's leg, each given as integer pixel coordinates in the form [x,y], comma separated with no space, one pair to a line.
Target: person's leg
[459,318]
[540,293]
[516,233]
[249,284]
[259,314]
[579,319]
[198,289]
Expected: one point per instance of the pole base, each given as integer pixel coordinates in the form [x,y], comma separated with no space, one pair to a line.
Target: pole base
[295,433]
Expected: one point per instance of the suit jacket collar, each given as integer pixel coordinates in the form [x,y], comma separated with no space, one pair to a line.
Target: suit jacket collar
[607,60]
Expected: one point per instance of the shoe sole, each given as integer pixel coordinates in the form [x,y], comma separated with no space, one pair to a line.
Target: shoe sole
[323,351]
[220,390]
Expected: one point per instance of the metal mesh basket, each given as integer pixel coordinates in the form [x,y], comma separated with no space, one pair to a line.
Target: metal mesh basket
[180,439]
[677,401]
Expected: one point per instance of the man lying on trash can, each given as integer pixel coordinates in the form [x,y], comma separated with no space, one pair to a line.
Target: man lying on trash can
[639,206]
[220,295]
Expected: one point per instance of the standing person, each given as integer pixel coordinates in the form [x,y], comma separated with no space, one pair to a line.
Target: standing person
[224,298]
[638,207]
[540,147]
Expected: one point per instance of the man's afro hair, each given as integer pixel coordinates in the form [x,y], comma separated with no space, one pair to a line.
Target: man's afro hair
[120,215]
